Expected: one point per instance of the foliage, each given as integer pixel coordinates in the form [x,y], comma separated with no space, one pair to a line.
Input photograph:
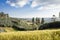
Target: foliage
[54,18]
[42,21]
[33,20]
[23,25]
[37,21]
[50,25]
[16,23]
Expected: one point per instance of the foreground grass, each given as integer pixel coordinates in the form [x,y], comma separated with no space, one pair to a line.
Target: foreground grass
[7,29]
[31,35]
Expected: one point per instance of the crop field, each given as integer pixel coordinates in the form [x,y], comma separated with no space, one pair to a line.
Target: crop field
[31,35]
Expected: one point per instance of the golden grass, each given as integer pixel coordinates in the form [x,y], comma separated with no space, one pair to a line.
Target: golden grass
[31,35]
[7,29]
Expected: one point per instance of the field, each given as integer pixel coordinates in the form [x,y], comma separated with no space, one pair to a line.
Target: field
[31,35]
[6,29]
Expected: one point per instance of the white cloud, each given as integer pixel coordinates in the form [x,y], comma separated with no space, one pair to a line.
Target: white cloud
[18,3]
[11,3]
[49,7]
[46,7]
[22,3]
[49,10]
[34,4]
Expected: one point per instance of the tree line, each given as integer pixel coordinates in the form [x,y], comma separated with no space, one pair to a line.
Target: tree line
[37,20]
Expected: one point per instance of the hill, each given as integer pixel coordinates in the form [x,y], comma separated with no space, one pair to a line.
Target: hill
[15,23]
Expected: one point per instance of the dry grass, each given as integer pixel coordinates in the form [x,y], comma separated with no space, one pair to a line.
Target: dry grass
[31,35]
[7,29]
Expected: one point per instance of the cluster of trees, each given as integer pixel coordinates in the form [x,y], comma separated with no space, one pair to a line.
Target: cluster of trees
[37,21]
[41,20]
[54,18]
[42,25]
[51,25]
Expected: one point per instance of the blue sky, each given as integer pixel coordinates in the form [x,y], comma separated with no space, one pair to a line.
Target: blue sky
[30,8]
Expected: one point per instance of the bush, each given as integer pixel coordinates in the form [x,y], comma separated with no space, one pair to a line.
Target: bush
[18,28]
[50,25]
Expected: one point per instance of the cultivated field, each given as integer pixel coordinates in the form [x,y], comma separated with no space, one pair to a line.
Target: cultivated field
[31,35]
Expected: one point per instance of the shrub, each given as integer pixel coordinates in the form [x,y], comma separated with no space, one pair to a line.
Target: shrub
[50,25]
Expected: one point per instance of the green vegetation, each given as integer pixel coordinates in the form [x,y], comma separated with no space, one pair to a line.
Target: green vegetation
[33,21]
[51,25]
[54,18]
[38,21]
[5,20]
[16,23]
[31,35]
[42,21]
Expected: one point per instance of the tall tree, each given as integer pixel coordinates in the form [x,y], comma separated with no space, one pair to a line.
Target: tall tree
[33,20]
[42,21]
[37,21]
[54,18]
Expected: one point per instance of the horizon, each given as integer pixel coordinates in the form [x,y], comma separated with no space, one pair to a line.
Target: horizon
[30,8]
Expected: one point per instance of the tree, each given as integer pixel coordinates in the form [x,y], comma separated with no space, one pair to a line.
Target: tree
[33,20]
[42,21]
[54,18]
[37,21]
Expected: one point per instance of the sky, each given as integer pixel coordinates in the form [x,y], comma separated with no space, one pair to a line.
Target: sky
[30,8]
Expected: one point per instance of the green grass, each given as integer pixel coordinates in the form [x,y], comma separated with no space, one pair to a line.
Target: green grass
[31,35]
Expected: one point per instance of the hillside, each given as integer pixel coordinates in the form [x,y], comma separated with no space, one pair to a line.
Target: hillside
[15,23]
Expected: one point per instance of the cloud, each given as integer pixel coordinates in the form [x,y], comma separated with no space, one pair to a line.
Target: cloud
[40,4]
[34,4]
[18,3]
[46,8]
[11,3]
[22,3]
[49,7]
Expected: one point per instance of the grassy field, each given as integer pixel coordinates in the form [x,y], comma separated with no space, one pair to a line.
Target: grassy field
[31,35]
[7,29]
